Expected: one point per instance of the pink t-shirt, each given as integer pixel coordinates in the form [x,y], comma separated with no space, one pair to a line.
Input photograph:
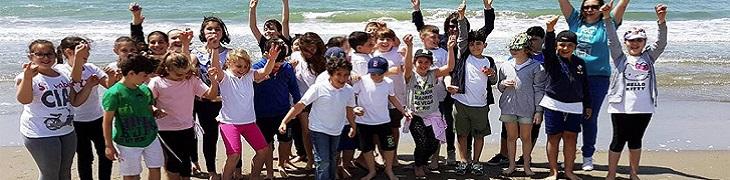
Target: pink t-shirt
[176,99]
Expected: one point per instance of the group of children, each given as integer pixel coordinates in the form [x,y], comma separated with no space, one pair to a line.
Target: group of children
[354,93]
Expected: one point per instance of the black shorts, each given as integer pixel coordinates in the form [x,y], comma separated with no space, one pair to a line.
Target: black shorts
[368,132]
[395,118]
[270,127]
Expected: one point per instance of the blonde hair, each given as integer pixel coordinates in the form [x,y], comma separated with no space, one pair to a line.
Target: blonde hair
[174,60]
[238,55]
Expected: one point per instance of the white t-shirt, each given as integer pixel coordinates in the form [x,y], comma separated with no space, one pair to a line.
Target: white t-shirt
[637,95]
[373,97]
[91,109]
[305,78]
[395,59]
[237,96]
[476,83]
[439,60]
[359,63]
[555,105]
[323,77]
[328,114]
[50,113]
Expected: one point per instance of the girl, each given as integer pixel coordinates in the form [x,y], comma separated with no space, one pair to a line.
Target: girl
[214,34]
[331,102]
[89,116]
[522,83]
[420,82]
[237,116]
[588,23]
[47,119]
[272,27]
[174,91]
[633,92]
[158,43]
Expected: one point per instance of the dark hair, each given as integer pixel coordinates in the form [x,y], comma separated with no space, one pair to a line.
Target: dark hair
[273,23]
[580,12]
[283,48]
[386,33]
[224,40]
[334,64]
[358,38]
[536,31]
[137,63]
[66,43]
[40,42]
[317,63]
[477,36]
[159,33]
[453,18]
[123,39]
[429,29]
[173,60]
[336,41]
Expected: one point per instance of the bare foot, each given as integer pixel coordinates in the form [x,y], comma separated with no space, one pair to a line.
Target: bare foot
[419,172]
[391,176]
[434,165]
[529,172]
[343,173]
[509,171]
[635,177]
[214,176]
[552,176]
[369,176]
[610,177]
[572,176]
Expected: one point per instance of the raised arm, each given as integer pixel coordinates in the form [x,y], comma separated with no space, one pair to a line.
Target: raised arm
[252,20]
[463,39]
[80,51]
[408,60]
[614,44]
[489,17]
[619,10]
[273,53]
[445,70]
[285,19]
[24,93]
[657,48]
[136,27]
[566,7]
[551,58]
[417,16]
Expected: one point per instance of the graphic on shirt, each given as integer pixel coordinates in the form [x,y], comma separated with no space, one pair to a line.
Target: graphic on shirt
[636,76]
[54,122]
[58,99]
[423,96]
[585,35]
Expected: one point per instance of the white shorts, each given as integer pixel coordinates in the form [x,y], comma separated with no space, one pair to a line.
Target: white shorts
[130,158]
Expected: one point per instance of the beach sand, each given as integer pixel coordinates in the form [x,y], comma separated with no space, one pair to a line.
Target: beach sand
[17,164]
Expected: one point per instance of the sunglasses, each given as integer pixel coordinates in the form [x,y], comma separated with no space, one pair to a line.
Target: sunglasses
[591,7]
[42,55]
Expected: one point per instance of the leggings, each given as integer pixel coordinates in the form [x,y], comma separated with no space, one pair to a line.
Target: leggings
[53,155]
[88,133]
[206,112]
[426,142]
[181,145]
[628,128]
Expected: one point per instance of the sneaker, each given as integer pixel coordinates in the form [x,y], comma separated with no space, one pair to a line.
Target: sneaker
[520,162]
[477,169]
[461,168]
[498,159]
[451,157]
[588,163]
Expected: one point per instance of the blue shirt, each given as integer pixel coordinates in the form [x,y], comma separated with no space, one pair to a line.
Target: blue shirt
[271,96]
[592,44]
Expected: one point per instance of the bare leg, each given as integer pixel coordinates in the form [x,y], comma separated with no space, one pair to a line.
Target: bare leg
[478,146]
[230,166]
[526,137]
[570,139]
[304,121]
[552,154]
[396,138]
[131,177]
[634,158]
[512,133]
[370,161]
[258,163]
[462,149]
[268,159]
[613,158]
[154,174]
[389,162]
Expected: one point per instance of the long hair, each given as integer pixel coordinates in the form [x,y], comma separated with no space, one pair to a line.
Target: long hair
[317,63]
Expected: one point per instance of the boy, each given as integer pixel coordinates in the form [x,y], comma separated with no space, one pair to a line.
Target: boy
[129,104]
[362,45]
[123,46]
[374,92]
[332,102]
[472,90]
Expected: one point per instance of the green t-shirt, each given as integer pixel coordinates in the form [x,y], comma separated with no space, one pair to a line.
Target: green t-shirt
[134,125]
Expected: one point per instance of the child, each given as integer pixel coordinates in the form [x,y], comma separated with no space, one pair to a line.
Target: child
[633,93]
[271,103]
[522,83]
[214,34]
[375,92]
[473,96]
[272,27]
[421,80]
[237,115]
[362,45]
[89,116]
[174,91]
[386,48]
[332,103]
[47,119]
[123,46]
[128,104]
[566,102]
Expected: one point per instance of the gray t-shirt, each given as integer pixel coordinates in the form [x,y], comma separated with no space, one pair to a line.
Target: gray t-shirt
[421,97]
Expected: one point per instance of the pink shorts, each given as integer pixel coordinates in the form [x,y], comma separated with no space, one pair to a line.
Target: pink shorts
[232,137]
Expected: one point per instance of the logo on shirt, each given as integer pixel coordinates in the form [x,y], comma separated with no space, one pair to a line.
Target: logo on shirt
[54,122]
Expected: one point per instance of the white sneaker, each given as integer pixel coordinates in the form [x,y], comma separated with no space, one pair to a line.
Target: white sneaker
[588,163]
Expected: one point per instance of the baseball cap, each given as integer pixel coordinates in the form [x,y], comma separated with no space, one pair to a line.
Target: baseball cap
[635,33]
[336,52]
[567,36]
[377,65]
[424,53]
[520,41]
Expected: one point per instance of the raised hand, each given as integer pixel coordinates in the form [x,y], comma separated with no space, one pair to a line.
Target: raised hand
[661,12]
[416,4]
[30,69]
[408,40]
[253,3]
[186,36]
[488,71]
[112,73]
[487,4]
[606,9]
[92,81]
[81,50]
[452,41]
[273,53]
[462,10]
[215,74]
[136,10]
[551,23]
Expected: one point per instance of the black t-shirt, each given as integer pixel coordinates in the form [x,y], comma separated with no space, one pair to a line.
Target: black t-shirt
[262,44]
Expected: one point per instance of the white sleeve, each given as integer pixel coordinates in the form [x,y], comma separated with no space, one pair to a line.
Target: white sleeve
[311,95]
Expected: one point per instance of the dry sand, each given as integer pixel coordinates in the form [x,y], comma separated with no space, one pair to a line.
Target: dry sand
[17,164]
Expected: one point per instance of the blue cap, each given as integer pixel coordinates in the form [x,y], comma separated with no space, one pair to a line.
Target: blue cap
[377,65]
[335,52]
